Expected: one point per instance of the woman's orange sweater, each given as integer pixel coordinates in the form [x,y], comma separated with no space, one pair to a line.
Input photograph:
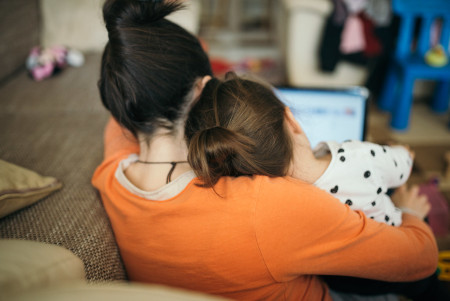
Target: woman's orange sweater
[257,238]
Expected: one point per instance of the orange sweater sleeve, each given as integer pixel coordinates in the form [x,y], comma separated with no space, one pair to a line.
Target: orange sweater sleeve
[118,143]
[118,140]
[311,232]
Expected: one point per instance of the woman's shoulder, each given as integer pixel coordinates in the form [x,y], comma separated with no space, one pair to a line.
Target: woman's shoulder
[262,181]
[271,189]
[106,171]
[285,184]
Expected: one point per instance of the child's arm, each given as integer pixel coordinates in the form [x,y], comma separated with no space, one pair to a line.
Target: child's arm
[394,163]
[383,210]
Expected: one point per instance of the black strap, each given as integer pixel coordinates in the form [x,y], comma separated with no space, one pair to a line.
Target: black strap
[173,163]
[169,175]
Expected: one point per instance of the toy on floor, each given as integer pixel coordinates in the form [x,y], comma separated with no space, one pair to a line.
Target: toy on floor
[444,266]
[436,56]
[45,62]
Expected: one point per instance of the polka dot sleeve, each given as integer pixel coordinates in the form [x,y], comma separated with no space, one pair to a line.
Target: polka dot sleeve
[394,164]
[358,175]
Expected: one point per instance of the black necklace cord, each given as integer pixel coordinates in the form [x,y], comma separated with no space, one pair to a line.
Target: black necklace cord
[169,175]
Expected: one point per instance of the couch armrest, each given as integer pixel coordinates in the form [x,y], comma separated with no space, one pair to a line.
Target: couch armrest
[113,291]
[28,265]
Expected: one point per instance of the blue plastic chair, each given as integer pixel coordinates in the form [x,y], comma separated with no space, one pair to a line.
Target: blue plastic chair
[407,63]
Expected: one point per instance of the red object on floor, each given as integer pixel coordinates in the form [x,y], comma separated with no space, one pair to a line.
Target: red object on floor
[438,217]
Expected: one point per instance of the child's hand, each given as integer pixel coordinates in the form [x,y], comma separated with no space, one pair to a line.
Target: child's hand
[409,201]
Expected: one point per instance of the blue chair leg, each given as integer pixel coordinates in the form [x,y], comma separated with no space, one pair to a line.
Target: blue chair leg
[402,108]
[441,97]
[389,91]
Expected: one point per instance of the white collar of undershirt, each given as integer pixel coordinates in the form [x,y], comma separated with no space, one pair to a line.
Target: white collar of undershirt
[166,192]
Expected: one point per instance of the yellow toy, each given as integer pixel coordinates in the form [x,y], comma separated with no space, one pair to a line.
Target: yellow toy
[444,265]
[436,56]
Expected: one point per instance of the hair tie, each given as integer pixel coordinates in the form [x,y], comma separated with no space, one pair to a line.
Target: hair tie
[214,100]
[213,128]
[216,114]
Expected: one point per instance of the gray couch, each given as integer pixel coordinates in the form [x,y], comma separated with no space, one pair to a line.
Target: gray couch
[54,128]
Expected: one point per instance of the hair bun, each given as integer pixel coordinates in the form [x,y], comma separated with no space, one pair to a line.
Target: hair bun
[217,152]
[223,143]
[124,13]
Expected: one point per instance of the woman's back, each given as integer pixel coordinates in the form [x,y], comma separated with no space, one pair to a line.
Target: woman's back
[253,237]
[198,240]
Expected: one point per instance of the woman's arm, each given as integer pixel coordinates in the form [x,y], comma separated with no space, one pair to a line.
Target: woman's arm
[118,142]
[303,230]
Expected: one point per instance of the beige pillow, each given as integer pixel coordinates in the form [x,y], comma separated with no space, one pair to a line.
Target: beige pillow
[79,24]
[20,187]
[75,24]
[30,265]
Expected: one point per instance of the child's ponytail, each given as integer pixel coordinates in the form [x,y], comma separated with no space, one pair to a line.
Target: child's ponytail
[217,152]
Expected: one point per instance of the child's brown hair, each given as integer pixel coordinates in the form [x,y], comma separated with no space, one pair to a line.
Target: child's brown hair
[237,128]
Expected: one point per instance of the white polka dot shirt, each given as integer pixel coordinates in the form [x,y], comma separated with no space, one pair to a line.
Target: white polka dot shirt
[360,174]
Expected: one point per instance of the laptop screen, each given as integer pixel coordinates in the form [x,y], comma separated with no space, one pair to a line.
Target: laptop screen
[328,114]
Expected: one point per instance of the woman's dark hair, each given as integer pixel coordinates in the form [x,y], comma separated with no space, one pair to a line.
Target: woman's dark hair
[237,128]
[149,65]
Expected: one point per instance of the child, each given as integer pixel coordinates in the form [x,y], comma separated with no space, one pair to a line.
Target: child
[239,127]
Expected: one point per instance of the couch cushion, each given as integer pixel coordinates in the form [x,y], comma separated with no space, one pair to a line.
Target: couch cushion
[19,23]
[20,187]
[27,265]
[79,24]
[76,24]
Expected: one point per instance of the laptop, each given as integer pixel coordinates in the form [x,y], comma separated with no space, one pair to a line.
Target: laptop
[336,114]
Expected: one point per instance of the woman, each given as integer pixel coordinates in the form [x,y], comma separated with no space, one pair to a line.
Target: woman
[253,237]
